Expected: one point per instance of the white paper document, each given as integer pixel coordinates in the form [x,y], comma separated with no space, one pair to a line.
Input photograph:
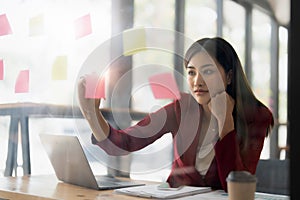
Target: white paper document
[221,195]
[155,191]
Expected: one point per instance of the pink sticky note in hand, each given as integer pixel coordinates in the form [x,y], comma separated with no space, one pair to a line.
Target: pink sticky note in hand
[4,25]
[164,86]
[22,82]
[83,26]
[1,70]
[95,87]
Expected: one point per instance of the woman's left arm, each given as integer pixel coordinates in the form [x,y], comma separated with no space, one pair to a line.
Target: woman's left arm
[228,154]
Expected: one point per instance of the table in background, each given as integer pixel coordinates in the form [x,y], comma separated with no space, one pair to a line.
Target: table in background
[19,115]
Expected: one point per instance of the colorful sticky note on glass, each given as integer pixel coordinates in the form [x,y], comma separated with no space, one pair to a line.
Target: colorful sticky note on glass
[1,70]
[83,26]
[59,68]
[164,86]
[4,25]
[134,40]
[22,82]
[95,87]
[36,25]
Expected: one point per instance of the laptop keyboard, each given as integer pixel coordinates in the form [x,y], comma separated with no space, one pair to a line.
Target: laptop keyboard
[104,183]
[107,180]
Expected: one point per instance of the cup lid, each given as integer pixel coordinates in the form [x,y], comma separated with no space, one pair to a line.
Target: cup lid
[241,176]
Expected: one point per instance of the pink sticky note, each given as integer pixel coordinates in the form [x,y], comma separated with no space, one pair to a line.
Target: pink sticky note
[1,70]
[22,82]
[164,86]
[4,25]
[95,87]
[83,26]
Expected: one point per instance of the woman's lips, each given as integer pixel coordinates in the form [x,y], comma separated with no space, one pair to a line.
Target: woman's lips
[200,92]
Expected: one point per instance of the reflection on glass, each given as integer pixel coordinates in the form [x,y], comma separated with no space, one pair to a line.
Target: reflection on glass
[154,13]
[200,18]
[158,14]
[234,27]
[261,60]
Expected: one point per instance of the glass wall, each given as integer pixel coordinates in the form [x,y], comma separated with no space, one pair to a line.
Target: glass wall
[50,40]
[42,46]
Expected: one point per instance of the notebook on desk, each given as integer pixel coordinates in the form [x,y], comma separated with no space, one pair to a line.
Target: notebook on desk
[158,192]
[71,164]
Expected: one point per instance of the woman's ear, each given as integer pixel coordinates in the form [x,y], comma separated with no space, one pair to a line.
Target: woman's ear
[229,77]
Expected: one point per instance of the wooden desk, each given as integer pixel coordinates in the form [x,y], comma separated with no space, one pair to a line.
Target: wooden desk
[19,115]
[48,187]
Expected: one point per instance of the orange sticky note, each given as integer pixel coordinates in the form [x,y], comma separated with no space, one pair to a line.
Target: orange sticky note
[164,86]
[59,68]
[36,25]
[83,26]
[95,87]
[22,82]
[4,25]
[1,70]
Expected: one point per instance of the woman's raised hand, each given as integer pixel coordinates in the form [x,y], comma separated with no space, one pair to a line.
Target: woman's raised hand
[90,110]
[88,106]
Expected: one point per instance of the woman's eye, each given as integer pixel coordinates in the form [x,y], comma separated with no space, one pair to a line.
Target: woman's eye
[191,73]
[207,72]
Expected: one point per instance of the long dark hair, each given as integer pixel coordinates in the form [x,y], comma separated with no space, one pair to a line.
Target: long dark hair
[239,89]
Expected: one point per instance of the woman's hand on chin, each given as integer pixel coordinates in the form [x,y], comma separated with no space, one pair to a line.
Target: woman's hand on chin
[221,107]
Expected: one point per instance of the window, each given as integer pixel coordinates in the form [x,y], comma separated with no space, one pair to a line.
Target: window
[200,19]
[282,108]
[234,27]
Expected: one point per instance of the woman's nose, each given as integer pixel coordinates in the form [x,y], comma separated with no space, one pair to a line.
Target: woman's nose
[199,80]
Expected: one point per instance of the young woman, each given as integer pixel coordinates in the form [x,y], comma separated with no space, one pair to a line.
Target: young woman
[219,127]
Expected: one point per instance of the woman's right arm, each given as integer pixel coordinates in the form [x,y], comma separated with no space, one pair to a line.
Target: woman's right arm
[90,109]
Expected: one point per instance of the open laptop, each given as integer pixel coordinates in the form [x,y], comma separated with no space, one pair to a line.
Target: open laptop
[71,165]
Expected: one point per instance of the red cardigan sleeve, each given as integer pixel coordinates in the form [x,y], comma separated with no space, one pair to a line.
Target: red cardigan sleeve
[145,132]
[227,151]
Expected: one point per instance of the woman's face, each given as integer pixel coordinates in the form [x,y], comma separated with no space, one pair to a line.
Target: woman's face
[206,77]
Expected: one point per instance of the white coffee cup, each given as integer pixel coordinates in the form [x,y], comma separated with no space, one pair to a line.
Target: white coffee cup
[241,185]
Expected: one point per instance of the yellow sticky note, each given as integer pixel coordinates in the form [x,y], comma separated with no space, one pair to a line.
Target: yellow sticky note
[134,40]
[59,68]
[36,25]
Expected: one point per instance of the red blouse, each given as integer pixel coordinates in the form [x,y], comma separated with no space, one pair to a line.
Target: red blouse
[182,118]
